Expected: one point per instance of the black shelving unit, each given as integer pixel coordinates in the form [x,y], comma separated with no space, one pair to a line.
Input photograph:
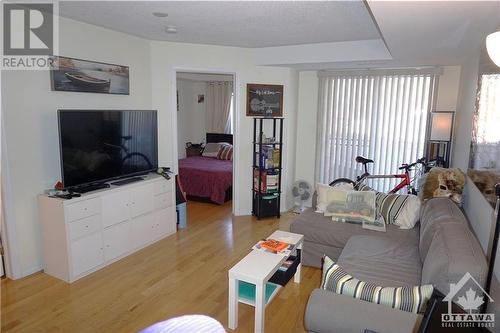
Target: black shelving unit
[265,197]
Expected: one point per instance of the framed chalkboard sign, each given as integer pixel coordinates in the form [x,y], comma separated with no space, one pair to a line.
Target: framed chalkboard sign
[264,100]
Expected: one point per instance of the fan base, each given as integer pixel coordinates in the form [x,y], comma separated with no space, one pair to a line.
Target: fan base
[298,209]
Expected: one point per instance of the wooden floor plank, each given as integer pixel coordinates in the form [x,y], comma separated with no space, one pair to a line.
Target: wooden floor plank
[185,273]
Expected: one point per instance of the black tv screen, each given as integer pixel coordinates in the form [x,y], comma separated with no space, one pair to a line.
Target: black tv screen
[98,145]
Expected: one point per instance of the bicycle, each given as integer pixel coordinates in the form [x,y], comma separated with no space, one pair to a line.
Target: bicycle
[406,181]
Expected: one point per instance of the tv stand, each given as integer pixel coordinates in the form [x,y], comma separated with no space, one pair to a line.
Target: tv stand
[89,188]
[127,181]
[89,232]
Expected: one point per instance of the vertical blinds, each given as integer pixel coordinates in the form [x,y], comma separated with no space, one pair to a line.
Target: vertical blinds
[379,116]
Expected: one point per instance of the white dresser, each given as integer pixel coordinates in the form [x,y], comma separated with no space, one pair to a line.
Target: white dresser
[84,234]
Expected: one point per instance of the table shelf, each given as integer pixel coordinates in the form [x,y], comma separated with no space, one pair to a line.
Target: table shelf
[246,292]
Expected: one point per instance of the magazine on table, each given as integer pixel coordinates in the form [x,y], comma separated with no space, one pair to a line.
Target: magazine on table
[274,246]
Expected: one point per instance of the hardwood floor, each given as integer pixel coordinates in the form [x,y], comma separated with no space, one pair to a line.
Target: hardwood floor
[185,273]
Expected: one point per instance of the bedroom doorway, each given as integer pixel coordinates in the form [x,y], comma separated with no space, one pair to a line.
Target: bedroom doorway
[205,119]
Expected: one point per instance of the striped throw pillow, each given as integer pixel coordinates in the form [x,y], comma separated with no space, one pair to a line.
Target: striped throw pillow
[402,210]
[410,299]
[225,153]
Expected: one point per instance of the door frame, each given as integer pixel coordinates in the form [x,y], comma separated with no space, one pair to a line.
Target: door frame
[236,124]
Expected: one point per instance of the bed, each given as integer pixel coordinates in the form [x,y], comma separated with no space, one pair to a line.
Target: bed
[205,178]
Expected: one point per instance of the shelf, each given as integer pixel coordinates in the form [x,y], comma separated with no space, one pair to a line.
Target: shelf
[246,292]
[267,162]
[266,193]
[266,169]
[267,144]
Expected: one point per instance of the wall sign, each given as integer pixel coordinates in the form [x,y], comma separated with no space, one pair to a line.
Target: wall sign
[264,100]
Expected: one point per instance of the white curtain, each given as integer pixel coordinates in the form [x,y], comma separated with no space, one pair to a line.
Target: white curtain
[218,107]
[381,115]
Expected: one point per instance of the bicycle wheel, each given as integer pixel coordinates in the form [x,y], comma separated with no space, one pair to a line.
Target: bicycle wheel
[342,181]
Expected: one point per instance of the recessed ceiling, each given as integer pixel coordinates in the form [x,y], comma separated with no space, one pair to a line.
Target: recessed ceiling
[231,23]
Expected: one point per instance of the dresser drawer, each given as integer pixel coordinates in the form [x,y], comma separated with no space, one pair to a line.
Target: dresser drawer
[163,186]
[84,226]
[164,200]
[83,209]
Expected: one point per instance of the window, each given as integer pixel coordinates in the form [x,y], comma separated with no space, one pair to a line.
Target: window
[486,136]
[378,115]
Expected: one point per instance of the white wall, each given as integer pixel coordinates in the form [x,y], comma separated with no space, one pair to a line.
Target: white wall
[465,112]
[191,114]
[308,108]
[168,57]
[306,127]
[29,110]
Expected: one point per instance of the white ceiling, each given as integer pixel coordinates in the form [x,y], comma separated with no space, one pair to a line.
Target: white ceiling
[434,32]
[412,33]
[231,23]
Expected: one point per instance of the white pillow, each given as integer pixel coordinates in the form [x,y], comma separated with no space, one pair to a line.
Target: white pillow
[409,214]
[211,150]
[324,192]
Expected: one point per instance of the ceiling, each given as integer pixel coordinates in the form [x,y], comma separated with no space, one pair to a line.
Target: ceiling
[231,23]
[411,33]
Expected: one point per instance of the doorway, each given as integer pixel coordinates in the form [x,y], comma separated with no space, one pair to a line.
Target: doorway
[205,127]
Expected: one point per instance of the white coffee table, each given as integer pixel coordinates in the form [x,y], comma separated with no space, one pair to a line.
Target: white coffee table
[257,268]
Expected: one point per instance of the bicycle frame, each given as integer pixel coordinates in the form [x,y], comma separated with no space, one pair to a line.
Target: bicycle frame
[404,182]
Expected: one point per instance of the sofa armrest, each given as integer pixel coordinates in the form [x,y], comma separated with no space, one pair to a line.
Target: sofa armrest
[330,312]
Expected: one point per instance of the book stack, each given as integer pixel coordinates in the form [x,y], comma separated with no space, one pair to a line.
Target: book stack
[273,246]
[268,181]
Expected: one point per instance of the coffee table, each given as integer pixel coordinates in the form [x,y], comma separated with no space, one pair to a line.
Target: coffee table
[253,273]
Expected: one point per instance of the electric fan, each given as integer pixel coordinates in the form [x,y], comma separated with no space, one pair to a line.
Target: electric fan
[301,191]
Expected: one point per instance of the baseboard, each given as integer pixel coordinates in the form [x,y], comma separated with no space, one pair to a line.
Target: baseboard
[30,271]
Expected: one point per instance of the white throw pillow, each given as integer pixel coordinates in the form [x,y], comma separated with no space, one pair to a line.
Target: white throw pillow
[409,214]
[211,150]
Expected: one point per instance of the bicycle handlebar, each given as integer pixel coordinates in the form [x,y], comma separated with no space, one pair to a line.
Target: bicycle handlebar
[408,167]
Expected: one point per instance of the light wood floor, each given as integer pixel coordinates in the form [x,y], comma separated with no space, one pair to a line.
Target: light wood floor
[185,273]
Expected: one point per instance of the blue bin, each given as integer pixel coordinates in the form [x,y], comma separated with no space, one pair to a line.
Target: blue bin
[181,215]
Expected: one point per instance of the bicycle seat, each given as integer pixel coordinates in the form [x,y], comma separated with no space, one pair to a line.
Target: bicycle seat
[361,159]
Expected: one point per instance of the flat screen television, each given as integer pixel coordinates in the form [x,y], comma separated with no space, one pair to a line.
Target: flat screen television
[102,145]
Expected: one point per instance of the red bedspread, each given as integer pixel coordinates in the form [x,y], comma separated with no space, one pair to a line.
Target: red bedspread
[206,177]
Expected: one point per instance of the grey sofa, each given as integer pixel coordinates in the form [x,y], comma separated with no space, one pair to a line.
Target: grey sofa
[439,251]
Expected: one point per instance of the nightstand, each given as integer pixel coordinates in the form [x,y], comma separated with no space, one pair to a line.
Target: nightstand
[193,151]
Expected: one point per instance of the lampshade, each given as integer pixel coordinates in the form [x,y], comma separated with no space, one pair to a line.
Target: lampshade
[441,124]
[493,47]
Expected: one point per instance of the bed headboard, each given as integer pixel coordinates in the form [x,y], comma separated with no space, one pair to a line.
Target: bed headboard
[219,137]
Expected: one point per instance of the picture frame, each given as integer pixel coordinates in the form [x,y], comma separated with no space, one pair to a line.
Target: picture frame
[264,100]
[78,75]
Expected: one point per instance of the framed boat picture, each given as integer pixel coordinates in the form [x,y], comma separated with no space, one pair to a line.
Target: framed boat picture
[264,100]
[77,75]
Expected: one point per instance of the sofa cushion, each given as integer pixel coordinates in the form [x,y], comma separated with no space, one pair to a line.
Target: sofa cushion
[330,312]
[436,212]
[317,228]
[454,251]
[386,262]
[407,298]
